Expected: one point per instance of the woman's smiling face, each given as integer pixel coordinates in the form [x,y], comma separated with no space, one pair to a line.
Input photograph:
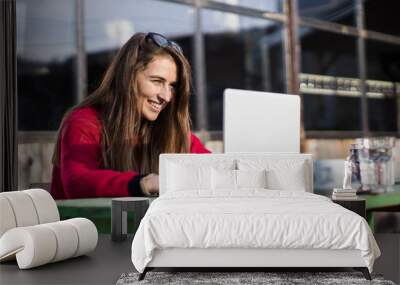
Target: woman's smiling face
[156,86]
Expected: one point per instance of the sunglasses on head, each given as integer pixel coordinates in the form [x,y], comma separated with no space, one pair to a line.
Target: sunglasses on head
[162,42]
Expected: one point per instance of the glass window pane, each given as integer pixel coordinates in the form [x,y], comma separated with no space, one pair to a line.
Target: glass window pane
[46,49]
[326,112]
[270,5]
[383,16]
[329,84]
[243,53]
[383,74]
[111,25]
[328,53]
[337,11]
[383,61]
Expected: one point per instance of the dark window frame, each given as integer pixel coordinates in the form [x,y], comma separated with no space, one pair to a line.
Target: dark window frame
[289,17]
[8,97]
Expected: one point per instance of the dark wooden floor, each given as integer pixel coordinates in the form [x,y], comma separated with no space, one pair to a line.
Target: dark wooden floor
[106,264]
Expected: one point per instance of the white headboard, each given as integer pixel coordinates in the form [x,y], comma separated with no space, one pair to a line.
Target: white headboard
[231,160]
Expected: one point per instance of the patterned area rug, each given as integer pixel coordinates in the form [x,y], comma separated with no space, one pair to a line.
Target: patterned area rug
[225,278]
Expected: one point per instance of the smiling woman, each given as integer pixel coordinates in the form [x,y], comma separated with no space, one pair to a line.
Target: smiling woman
[109,144]
[156,85]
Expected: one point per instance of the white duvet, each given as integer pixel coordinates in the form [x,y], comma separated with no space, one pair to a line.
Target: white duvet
[251,218]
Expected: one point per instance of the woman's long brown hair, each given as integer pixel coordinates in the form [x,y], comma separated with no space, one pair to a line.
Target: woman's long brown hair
[128,141]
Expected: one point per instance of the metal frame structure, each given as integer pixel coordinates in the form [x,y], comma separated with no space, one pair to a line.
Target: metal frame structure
[80,61]
[362,68]
[291,20]
[8,97]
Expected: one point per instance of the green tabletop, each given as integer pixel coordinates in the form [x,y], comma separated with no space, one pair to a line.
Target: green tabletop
[98,210]
[387,200]
[383,200]
[87,203]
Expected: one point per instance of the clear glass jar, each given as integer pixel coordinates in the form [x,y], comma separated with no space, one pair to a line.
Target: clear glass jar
[376,163]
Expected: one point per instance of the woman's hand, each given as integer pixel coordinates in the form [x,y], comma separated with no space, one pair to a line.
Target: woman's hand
[149,184]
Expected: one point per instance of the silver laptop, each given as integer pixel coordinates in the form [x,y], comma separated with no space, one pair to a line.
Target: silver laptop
[261,122]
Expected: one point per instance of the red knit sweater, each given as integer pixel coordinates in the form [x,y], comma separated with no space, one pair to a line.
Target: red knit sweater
[80,174]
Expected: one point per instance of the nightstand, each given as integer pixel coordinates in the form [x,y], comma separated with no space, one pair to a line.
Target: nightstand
[356,205]
[120,207]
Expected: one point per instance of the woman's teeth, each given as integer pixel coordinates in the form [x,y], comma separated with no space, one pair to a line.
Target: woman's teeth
[156,106]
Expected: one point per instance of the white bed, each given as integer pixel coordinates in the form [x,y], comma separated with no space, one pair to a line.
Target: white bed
[247,210]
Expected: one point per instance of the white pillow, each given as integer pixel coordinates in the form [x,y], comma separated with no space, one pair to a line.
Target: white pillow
[293,180]
[251,178]
[223,179]
[282,174]
[236,179]
[182,177]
